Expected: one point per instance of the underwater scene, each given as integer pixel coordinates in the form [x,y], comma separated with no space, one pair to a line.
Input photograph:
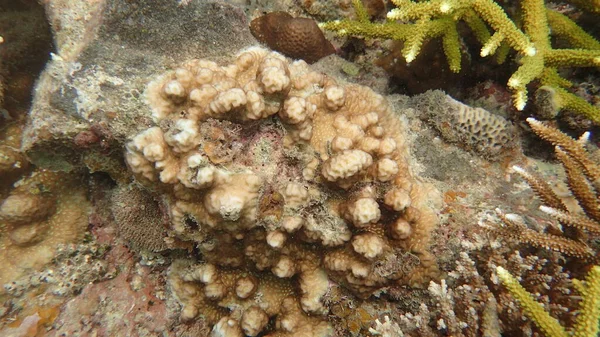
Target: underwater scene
[299,168]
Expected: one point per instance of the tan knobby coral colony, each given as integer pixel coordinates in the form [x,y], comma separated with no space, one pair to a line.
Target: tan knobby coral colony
[285,181]
[39,210]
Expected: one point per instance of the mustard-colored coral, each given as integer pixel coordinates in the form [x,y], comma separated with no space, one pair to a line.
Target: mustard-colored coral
[539,60]
[41,212]
[316,187]
[587,321]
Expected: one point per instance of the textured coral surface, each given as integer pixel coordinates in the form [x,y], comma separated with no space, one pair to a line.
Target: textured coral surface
[282,174]
[38,215]
[298,38]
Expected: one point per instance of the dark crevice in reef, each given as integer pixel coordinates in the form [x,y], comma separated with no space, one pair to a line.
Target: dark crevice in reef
[26,47]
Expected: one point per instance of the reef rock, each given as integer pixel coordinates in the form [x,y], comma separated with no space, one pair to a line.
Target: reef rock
[106,53]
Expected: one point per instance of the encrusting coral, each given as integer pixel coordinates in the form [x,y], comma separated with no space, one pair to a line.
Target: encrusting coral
[538,59]
[587,320]
[295,181]
[44,210]
[583,176]
[138,218]
[474,129]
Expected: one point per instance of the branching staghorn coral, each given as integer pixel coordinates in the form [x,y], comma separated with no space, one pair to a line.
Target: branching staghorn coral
[584,182]
[539,60]
[286,181]
[587,321]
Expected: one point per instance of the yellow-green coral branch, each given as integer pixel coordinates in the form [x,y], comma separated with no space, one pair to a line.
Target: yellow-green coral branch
[451,43]
[572,58]
[551,77]
[562,99]
[589,312]
[361,12]
[495,16]
[478,26]
[408,10]
[388,30]
[532,68]
[535,23]
[533,309]
[565,28]
[421,31]
[438,18]
[572,102]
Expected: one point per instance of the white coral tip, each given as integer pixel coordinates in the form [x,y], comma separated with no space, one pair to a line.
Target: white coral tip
[519,169]
[548,210]
[513,217]
[445,7]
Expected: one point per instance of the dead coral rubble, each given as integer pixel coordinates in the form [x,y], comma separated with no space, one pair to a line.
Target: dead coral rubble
[302,178]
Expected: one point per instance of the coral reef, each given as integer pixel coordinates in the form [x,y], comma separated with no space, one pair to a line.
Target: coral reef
[538,59]
[84,88]
[298,38]
[322,191]
[270,199]
[40,210]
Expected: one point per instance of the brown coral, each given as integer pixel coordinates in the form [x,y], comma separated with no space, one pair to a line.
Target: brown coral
[139,218]
[583,178]
[474,129]
[298,38]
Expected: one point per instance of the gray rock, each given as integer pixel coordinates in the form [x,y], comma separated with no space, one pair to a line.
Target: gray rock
[107,53]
